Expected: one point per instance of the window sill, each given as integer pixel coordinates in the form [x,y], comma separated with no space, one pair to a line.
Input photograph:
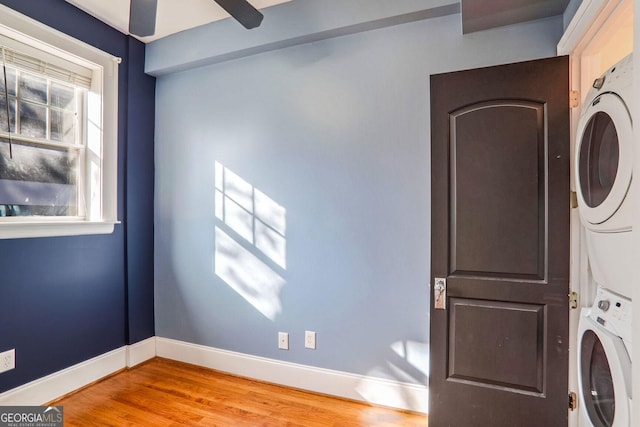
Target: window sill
[30,229]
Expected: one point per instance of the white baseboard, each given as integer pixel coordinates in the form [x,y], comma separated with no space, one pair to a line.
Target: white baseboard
[141,352]
[372,390]
[63,382]
[58,384]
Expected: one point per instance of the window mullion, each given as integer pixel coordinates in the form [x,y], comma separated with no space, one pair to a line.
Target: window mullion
[39,142]
[47,131]
[83,178]
[17,106]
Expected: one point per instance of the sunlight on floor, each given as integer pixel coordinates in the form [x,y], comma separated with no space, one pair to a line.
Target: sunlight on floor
[382,418]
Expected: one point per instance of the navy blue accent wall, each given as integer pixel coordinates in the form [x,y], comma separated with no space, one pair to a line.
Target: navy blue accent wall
[65,300]
[139,196]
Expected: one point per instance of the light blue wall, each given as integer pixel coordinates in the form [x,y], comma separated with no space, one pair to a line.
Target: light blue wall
[337,133]
[285,25]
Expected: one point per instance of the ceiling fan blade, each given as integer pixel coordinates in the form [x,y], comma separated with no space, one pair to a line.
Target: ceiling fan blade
[243,12]
[142,17]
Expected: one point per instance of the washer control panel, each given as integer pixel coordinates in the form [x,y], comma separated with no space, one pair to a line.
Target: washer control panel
[604,305]
[614,77]
[613,312]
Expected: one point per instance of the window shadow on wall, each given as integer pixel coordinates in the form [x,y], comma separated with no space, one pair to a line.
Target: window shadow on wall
[250,242]
[407,362]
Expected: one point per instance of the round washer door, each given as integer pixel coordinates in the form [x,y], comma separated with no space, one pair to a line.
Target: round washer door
[603,157]
[604,367]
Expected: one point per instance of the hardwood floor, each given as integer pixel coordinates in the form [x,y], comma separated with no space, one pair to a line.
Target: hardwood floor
[162,392]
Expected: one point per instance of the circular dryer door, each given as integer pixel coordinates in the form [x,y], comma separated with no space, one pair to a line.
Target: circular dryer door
[603,157]
[603,386]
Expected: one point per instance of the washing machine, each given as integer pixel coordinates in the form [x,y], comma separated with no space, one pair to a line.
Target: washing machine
[603,165]
[604,361]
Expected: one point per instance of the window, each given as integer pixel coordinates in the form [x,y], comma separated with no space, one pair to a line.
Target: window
[58,127]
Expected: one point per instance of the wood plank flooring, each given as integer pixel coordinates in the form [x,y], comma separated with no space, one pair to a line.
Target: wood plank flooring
[162,392]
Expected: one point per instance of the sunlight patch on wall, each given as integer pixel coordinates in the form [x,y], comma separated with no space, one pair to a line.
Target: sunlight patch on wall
[250,243]
[252,214]
[255,281]
[408,363]
[397,392]
[415,353]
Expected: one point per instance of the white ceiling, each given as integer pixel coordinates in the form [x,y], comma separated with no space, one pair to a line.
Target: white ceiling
[173,16]
[179,15]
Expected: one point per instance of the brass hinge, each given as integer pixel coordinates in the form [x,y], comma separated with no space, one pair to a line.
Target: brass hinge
[573,99]
[574,200]
[573,401]
[573,300]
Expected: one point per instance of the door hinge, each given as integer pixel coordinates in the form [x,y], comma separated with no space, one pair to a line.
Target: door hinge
[573,300]
[573,401]
[573,99]
[574,200]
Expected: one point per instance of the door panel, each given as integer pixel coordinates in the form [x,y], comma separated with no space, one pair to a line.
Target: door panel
[498,232]
[487,336]
[500,237]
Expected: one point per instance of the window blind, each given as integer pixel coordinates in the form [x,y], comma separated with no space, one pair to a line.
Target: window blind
[26,58]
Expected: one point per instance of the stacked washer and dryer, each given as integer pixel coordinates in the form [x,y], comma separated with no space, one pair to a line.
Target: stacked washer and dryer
[604,161]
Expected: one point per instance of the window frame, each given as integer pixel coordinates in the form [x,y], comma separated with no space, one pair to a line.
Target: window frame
[101,215]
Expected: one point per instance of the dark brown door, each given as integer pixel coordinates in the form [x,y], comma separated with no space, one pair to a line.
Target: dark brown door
[500,238]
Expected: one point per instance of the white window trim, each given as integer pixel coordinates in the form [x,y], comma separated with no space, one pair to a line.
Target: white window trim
[105,80]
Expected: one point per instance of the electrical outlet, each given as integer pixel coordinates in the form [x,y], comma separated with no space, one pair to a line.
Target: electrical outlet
[8,360]
[283,340]
[310,339]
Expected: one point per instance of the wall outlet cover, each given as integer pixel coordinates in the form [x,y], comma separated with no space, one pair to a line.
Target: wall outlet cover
[310,339]
[283,340]
[8,360]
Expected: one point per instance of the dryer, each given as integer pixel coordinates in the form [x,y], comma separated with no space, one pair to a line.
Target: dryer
[603,166]
[604,361]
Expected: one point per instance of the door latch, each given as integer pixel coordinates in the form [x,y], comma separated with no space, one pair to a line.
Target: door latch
[440,293]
